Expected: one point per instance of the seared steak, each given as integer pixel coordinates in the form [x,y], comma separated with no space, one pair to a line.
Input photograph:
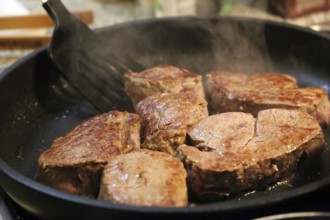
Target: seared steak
[167,117]
[251,93]
[145,177]
[236,152]
[161,79]
[75,161]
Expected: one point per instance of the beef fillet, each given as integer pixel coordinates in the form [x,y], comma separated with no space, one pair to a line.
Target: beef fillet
[75,161]
[167,117]
[229,92]
[161,79]
[236,152]
[145,178]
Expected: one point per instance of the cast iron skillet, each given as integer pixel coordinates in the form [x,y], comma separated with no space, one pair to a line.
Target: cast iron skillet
[37,106]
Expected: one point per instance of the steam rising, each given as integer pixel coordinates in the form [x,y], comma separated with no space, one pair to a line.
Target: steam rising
[242,48]
[200,45]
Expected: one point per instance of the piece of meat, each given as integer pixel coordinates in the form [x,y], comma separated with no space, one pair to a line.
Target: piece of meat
[145,178]
[161,79]
[215,132]
[75,161]
[229,92]
[167,117]
[236,153]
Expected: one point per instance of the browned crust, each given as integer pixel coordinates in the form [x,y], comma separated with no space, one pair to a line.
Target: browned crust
[167,117]
[162,79]
[280,138]
[145,178]
[94,140]
[74,161]
[251,93]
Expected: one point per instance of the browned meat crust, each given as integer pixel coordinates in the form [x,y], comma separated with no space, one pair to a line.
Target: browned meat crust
[167,118]
[233,152]
[161,79]
[251,93]
[75,161]
[241,153]
[145,177]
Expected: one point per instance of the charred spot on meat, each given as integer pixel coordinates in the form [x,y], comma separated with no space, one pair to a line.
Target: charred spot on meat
[75,161]
[246,153]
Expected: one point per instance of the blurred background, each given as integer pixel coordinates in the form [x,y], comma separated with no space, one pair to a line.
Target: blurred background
[24,25]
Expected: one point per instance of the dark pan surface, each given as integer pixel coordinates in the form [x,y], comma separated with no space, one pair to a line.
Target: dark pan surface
[37,105]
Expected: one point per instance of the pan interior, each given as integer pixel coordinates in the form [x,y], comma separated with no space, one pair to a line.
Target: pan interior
[37,105]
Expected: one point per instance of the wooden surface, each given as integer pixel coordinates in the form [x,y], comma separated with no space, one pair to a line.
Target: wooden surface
[32,31]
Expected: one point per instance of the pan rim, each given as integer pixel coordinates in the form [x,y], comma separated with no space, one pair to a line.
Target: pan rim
[214,18]
[202,208]
[220,206]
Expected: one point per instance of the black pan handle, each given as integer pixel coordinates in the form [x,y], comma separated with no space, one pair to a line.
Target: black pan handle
[60,15]
[66,27]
